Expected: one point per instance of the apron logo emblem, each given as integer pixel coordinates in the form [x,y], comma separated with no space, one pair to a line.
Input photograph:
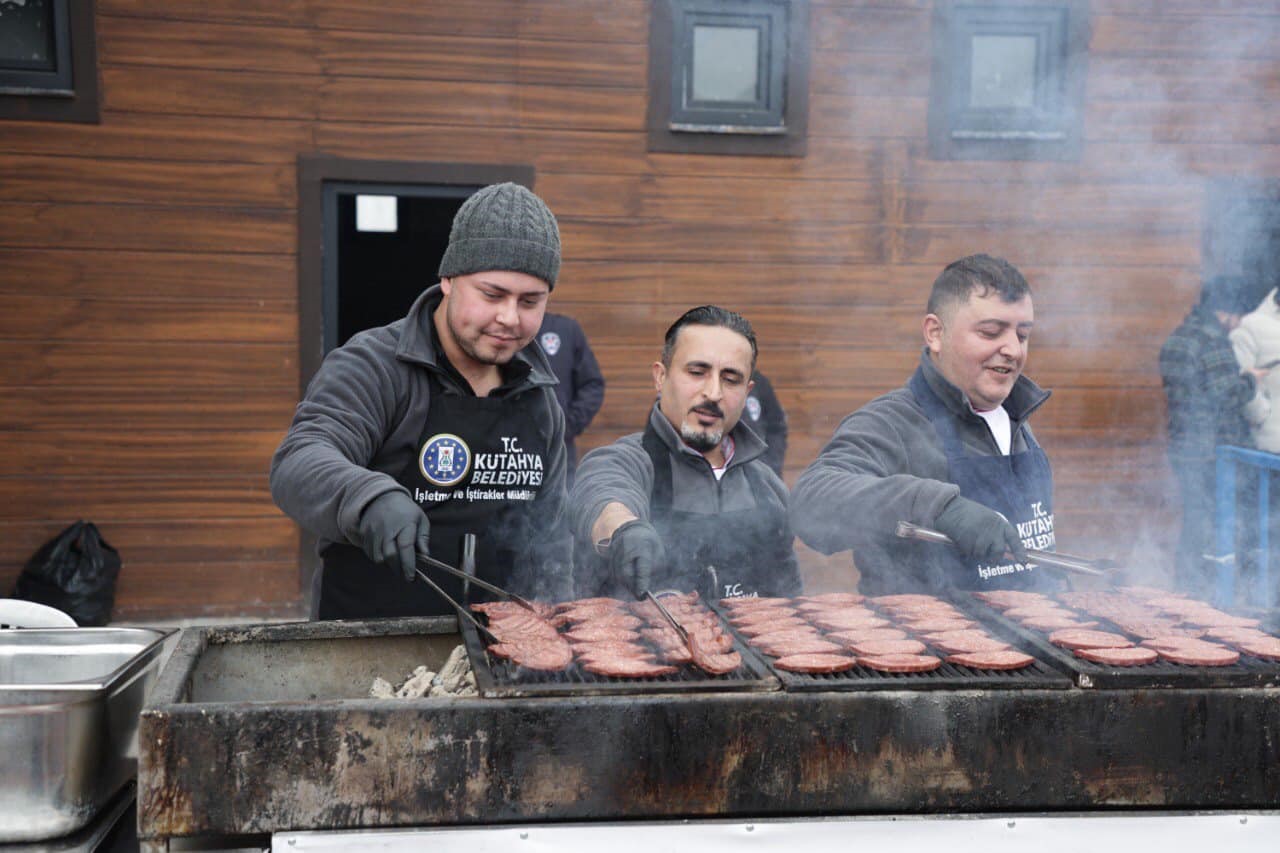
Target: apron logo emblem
[753,407]
[444,460]
[550,343]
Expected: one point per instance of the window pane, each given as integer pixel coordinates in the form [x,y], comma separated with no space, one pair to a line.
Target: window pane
[726,63]
[1004,72]
[26,35]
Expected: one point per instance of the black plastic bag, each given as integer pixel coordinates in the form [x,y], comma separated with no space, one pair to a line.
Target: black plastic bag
[75,572]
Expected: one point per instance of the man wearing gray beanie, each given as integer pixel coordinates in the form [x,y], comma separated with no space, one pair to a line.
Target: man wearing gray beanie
[441,424]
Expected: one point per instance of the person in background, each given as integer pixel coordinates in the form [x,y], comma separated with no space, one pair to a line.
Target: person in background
[440,424]
[952,450]
[1256,343]
[1206,392]
[689,503]
[581,388]
[765,415]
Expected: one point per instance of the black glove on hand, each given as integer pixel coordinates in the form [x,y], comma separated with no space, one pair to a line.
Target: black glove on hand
[981,533]
[393,531]
[635,551]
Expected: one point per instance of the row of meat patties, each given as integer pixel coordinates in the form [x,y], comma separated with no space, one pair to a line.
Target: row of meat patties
[613,638]
[1137,626]
[837,631]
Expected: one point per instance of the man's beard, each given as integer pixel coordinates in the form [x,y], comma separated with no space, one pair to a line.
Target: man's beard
[701,440]
[471,349]
[473,353]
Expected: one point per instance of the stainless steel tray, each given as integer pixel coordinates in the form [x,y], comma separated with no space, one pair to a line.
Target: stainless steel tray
[69,705]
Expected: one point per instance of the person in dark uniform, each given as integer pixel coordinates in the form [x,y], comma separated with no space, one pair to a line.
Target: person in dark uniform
[441,424]
[952,450]
[689,503]
[581,388]
[765,415]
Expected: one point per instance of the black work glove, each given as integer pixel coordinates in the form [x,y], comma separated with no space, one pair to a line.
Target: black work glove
[635,551]
[982,534]
[393,531]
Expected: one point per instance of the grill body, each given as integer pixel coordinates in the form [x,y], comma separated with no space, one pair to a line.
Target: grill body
[278,711]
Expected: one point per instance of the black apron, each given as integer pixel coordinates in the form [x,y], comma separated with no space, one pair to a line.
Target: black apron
[480,464]
[723,555]
[1019,486]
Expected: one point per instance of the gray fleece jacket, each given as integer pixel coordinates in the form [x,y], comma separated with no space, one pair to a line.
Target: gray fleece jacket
[886,464]
[623,472]
[358,425]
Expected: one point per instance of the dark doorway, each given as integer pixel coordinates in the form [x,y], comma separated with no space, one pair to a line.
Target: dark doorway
[371,277]
[350,279]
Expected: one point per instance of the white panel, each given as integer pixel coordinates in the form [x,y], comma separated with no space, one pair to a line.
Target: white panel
[376,213]
[1170,833]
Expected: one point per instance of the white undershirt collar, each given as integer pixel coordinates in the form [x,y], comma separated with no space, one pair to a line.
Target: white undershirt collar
[1001,430]
[727,448]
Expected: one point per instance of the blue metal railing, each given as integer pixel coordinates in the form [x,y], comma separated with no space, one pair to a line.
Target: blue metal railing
[1229,459]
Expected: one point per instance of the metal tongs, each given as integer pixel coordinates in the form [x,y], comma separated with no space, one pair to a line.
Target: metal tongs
[467,577]
[684,635]
[432,562]
[1066,562]
[462,611]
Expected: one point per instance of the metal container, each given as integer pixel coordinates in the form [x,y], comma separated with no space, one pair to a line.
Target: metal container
[69,705]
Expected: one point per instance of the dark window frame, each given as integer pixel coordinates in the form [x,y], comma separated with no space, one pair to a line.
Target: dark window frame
[1051,129]
[69,92]
[765,114]
[740,128]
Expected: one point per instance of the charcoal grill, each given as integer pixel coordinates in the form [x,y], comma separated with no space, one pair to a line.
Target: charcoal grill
[500,678]
[282,715]
[1247,672]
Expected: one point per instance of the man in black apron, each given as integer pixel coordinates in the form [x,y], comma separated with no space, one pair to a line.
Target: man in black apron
[441,424]
[689,503]
[952,450]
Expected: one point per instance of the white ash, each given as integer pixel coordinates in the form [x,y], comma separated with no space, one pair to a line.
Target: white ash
[455,678]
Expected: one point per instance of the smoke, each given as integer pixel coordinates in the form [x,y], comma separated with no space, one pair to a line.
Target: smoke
[1176,179]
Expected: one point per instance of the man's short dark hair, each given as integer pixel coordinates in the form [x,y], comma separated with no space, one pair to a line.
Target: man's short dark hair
[1226,293]
[709,315]
[981,274]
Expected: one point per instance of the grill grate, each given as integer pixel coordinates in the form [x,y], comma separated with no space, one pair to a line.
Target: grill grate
[500,678]
[1247,672]
[949,676]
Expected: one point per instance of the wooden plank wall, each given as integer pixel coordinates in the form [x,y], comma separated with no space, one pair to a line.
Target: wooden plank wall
[148,264]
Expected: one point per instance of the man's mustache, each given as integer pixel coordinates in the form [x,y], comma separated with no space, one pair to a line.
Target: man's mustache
[712,409]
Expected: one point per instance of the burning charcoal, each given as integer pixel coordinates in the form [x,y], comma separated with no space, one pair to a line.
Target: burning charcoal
[381,689]
[416,685]
[453,671]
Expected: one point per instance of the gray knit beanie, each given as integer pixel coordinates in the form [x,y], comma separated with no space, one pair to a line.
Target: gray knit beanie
[503,227]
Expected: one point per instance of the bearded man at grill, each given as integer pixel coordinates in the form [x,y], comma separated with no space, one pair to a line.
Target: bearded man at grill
[952,450]
[441,424]
[689,503]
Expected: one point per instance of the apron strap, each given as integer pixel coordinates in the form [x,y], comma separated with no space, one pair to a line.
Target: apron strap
[661,496]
